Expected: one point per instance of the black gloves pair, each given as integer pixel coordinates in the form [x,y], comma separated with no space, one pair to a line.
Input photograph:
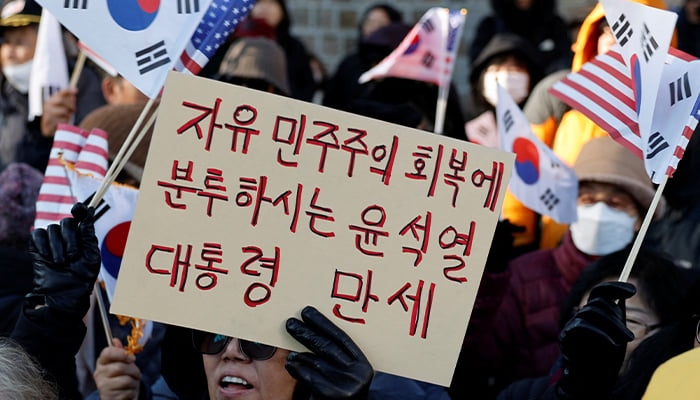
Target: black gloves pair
[593,343]
[336,368]
[66,263]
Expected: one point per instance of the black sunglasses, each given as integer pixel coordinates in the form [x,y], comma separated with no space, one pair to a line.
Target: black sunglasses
[212,343]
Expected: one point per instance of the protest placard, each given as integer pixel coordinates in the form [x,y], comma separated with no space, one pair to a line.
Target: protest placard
[254,205]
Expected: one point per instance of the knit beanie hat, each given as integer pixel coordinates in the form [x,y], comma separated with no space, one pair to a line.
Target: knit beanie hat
[19,190]
[117,120]
[604,160]
[256,58]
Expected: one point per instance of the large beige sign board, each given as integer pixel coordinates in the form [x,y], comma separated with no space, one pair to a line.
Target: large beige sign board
[254,205]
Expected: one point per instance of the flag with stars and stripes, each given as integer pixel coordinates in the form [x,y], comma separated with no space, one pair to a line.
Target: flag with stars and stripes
[603,90]
[77,165]
[218,23]
[643,34]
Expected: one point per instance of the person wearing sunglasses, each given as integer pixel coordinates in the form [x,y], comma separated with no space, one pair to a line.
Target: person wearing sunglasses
[334,369]
[214,366]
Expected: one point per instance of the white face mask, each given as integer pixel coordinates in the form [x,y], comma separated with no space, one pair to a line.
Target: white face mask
[601,229]
[18,75]
[515,82]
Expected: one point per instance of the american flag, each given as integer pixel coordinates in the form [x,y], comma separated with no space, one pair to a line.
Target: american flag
[73,148]
[218,23]
[603,90]
[77,165]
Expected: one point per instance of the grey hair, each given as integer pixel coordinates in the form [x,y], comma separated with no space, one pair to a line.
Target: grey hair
[21,378]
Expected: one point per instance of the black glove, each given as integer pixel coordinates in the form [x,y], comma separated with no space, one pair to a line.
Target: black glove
[337,368]
[593,343]
[501,251]
[66,263]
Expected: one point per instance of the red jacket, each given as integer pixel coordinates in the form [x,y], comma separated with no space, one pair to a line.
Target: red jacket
[514,328]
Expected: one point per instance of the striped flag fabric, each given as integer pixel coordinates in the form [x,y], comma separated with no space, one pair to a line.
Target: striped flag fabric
[77,165]
[73,148]
[604,91]
[643,34]
[218,23]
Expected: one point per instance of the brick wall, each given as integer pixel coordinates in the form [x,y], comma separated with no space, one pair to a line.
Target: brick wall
[329,27]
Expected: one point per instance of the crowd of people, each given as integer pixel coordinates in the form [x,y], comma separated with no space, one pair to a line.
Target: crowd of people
[550,321]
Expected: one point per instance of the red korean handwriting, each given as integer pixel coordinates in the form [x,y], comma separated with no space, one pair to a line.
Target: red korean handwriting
[373,217]
[212,182]
[178,174]
[420,165]
[319,212]
[243,116]
[259,293]
[355,145]
[480,177]
[449,239]
[418,299]
[206,112]
[457,165]
[417,229]
[213,186]
[176,261]
[326,139]
[343,292]
[258,187]
[379,154]
[289,131]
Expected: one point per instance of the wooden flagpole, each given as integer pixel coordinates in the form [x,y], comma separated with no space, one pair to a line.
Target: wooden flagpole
[79,64]
[115,167]
[103,313]
[624,276]
[122,161]
[118,163]
[440,108]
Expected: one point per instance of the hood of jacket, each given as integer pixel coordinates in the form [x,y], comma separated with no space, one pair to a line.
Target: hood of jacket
[586,46]
[502,44]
